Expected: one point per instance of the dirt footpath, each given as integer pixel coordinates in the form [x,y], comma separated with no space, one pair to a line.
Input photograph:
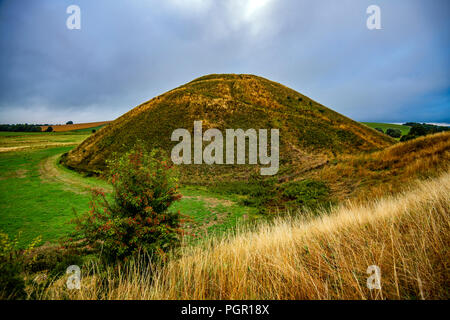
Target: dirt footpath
[50,172]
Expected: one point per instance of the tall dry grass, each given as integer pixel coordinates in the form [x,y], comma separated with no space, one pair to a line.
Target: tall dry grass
[367,175]
[324,257]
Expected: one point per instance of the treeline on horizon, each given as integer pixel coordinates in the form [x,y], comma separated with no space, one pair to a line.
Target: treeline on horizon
[21,127]
[421,129]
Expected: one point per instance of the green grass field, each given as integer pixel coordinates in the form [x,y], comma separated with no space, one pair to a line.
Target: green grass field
[38,196]
[385,126]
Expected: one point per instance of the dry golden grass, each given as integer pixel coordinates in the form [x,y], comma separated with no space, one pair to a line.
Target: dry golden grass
[369,175]
[326,257]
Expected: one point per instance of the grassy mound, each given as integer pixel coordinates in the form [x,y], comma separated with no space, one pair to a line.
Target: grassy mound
[309,132]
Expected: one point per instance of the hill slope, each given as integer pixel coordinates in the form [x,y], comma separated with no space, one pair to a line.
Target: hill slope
[368,175]
[309,132]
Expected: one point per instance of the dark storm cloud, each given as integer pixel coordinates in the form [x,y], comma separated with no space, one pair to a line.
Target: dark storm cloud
[129,51]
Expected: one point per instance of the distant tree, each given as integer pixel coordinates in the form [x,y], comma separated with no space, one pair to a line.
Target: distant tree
[407,137]
[379,129]
[93,130]
[69,122]
[394,133]
[49,129]
[418,130]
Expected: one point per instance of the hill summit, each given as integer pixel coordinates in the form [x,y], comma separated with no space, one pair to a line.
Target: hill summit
[309,132]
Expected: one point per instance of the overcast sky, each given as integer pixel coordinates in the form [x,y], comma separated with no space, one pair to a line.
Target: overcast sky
[129,51]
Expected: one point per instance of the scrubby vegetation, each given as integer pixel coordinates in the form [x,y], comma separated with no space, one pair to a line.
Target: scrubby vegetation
[13,263]
[138,219]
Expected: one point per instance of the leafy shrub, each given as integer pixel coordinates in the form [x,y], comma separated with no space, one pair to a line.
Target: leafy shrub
[379,129]
[12,265]
[394,133]
[69,122]
[49,129]
[137,220]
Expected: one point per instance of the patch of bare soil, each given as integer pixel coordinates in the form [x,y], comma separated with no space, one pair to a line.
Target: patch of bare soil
[50,144]
[21,173]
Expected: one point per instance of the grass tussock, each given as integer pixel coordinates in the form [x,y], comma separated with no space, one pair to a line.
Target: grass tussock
[324,257]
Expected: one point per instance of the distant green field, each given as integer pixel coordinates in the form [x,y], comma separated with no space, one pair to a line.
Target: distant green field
[38,196]
[385,126]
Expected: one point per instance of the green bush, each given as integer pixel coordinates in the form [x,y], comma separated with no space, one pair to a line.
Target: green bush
[394,133]
[138,219]
[49,129]
[379,129]
[407,137]
[55,260]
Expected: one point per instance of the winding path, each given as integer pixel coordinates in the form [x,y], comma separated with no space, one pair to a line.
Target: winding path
[50,172]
